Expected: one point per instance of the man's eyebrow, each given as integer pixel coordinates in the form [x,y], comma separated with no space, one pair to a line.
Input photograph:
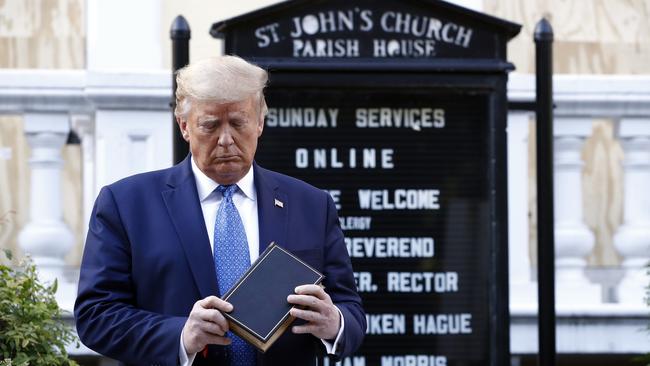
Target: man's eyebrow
[237,114]
[208,119]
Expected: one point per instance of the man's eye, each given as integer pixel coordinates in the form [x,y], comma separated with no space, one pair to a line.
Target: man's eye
[207,125]
[238,122]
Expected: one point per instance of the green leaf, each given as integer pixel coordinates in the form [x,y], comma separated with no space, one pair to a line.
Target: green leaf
[30,319]
[8,254]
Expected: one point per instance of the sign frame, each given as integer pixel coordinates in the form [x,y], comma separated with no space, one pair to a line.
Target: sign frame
[482,75]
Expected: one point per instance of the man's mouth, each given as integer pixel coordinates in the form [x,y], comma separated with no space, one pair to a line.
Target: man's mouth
[226,157]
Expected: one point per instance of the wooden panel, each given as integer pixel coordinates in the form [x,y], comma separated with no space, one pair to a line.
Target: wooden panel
[14,181]
[42,34]
[602,190]
[71,200]
[592,37]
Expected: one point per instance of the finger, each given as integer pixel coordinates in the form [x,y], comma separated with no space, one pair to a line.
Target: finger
[304,329]
[214,339]
[213,302]
[309,301]
[308,315]
[212,329]
[214,316]
[314,290]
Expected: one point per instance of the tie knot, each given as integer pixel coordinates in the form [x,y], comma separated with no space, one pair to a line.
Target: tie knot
[227,191]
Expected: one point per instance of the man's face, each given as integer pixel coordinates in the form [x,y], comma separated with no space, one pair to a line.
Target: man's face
[223,137]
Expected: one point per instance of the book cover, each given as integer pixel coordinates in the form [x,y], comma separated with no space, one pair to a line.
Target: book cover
[259,298]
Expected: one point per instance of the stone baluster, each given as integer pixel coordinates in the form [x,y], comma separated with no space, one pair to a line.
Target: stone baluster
[573,239]
[45,237]
[84,126]
[632,239]
[523,289]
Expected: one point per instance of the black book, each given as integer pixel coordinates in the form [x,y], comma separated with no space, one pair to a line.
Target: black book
[259,298]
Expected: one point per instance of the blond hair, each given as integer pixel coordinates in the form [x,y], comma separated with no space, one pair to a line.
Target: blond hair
[221,79]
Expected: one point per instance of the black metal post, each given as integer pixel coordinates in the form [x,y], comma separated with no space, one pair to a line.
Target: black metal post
[545,217]
[180,35]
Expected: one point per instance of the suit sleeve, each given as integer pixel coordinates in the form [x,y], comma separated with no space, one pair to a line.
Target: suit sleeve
[107,318]
[339,284]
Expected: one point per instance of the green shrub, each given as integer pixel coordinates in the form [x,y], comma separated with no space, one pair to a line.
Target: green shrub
[31,330]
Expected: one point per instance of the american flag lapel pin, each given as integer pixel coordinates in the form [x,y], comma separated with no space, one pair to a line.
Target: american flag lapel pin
[279,203]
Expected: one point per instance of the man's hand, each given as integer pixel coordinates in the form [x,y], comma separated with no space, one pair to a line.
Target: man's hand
[206,325]
[323,318]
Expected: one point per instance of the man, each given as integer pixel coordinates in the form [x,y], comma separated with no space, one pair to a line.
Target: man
[163,246]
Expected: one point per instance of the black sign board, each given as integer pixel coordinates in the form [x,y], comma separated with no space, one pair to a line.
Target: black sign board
[398,109]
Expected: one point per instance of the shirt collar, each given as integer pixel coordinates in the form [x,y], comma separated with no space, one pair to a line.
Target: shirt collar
[205,185]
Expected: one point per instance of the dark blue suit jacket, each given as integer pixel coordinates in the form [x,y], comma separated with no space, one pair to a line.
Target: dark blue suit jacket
[147,260]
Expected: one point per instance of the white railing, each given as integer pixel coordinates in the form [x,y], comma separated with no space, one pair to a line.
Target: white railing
[115,114]
[599,309]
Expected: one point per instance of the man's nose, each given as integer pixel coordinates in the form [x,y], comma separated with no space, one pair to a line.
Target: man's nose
[225,137]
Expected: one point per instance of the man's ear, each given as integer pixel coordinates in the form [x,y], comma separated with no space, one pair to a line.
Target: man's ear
[260,125]
[182,125]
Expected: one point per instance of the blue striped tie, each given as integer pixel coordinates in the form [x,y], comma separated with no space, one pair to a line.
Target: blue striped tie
[231,260]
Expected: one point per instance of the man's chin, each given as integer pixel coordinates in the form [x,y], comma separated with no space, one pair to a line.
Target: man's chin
[228,173]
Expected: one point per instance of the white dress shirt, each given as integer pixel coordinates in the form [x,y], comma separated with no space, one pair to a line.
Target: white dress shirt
[245,200]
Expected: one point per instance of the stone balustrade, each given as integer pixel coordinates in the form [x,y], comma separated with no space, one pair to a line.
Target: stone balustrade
[124,123]
[633,238]
[599,308]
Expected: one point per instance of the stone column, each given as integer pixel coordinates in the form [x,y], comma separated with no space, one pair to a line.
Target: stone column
[573,239]
[633,237]
[45,237]
[523,290]
[84,126]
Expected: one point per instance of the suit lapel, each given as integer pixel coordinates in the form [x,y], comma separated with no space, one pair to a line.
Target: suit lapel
[272,209]
[183,207]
